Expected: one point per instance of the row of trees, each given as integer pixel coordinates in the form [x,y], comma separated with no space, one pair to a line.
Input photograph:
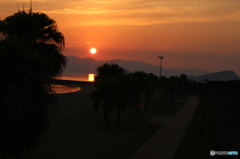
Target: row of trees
[30,55]
[116,89]
[176,81]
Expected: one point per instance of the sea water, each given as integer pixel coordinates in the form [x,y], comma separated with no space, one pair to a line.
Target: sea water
[64,89]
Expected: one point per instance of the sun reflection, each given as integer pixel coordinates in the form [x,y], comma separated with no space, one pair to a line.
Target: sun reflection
[91,77]
[58,89]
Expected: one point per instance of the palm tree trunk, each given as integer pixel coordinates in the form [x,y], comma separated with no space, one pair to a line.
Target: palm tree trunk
[162,94]
[137,107]
[105,117]
[146,102]
[165,98]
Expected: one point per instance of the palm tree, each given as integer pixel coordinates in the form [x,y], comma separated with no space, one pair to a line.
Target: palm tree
[139,83]
[108,93]
[123,98]
[149,87]
[108,70]
[30,55]
[41,33]
[110,90]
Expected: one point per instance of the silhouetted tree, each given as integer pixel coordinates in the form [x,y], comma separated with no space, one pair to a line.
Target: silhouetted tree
[41,33]
[149,87]
[140,81]
[30,55]
[110,90]
[183,81]
[124,95]
[163,78]
[108,70]
[183,77]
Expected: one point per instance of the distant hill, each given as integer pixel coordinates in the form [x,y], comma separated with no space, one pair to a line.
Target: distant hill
[218,76]
[89,65]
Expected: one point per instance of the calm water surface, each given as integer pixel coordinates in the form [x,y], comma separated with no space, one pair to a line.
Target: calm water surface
[64,89]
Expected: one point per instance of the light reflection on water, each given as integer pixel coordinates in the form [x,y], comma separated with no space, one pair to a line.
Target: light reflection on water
[64,89]
[75,76]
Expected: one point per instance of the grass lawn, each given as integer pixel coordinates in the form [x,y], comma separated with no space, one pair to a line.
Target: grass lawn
[78,132]
[196,142]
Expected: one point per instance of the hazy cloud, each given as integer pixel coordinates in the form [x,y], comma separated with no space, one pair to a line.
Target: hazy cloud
[81,10]
[24,1]
[138,12]
[145,12]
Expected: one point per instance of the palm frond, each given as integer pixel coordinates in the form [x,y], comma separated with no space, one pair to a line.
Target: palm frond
[25,97]
[54,60]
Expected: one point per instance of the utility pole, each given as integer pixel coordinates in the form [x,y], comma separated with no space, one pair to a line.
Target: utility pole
[161,57]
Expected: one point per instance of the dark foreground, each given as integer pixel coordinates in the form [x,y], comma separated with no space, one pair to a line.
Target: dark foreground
[77,131]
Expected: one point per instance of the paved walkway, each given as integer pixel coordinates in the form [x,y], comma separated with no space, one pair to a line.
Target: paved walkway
[164,144]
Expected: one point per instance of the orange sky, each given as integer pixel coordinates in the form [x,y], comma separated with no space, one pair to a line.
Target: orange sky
[189,34]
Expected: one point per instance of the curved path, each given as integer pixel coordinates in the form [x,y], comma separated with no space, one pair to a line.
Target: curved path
[165,142]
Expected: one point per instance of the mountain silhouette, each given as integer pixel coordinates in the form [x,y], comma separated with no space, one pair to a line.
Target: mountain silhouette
[226,75]
[89,65]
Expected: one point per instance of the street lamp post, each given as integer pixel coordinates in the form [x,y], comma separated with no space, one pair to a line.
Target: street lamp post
[161,57]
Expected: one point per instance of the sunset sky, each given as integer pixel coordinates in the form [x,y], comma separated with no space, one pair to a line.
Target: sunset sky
[189,34]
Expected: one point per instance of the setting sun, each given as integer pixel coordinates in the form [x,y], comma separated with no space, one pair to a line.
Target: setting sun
[93,50]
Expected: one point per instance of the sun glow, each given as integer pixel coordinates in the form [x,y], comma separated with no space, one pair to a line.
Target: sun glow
[91,77]
[93,50]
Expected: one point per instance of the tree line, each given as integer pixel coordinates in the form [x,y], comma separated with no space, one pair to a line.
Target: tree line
[116,89]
